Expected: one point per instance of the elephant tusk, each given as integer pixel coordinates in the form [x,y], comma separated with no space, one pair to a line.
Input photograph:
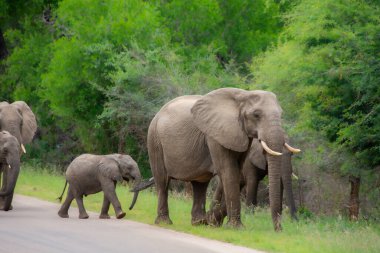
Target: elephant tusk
[294,175]
[267,149]
[23,148]
[9,166]
[291,149]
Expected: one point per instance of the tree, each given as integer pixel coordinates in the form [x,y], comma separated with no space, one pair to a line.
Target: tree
[92,35]
[329,60]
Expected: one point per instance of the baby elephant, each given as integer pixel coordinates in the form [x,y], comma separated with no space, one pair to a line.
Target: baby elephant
[89,174]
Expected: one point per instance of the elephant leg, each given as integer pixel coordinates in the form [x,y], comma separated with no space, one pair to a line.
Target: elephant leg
[79,199]
[64,210]
[226,163]
[218,210]
[105,208]
[3,184]
[232,197]
[198,212]
[108,187]
[281,196]
[2,198]
[162,186]
[251,200]
[5,201]
[252,184]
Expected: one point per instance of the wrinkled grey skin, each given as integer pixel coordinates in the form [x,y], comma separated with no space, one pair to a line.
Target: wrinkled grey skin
[254,169]
[18,119]
[193,138]
[10,166]
[89,174]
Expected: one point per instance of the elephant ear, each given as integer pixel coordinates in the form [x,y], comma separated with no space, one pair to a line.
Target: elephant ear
[29,124]
[109,168]
[2,104]
[256,155]
[217,115]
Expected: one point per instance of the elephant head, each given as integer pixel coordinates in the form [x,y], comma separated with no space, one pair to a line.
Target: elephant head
[9,162]
[18,119]
[257,158]
[232,117]
[127,169]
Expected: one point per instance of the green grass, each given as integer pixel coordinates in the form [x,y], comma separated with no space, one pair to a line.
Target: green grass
[321,234]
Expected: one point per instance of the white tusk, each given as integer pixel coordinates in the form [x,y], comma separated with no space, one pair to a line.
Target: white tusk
[295,176]
[9,166]
[291,149]
[267,149]
[23,148]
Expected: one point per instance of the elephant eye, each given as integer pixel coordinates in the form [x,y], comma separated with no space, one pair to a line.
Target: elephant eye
[257,114]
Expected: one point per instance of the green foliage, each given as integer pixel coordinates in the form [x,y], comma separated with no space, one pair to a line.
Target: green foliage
[94,34]
[193,22]
[329,58]
[304,213]
[249,27]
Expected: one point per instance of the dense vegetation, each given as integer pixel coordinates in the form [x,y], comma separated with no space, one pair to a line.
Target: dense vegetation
[95,72]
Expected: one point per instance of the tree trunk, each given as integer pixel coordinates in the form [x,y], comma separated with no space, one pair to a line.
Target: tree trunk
[3,47]
[121,142]
[354,198]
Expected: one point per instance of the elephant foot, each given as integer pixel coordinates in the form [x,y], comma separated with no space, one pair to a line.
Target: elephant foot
[104,216]
[163,219]
[235,223]
[278,228]
[214,219]
[63,215]
[196,221]
[83,216]
[5,208]
[120,215]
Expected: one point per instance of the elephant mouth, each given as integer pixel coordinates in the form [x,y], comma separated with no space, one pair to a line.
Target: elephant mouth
[127,178]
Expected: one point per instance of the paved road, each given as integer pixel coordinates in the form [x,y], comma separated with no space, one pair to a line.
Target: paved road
[34,226]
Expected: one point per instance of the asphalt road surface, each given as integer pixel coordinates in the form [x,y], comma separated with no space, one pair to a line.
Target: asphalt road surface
[34,226]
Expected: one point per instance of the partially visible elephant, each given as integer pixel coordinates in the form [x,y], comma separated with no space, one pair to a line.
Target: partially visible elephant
[18,119]
[193,138]
[254,169]
[89,174]
[9,165]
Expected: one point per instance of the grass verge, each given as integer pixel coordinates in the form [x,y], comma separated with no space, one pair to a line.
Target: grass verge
[322,234]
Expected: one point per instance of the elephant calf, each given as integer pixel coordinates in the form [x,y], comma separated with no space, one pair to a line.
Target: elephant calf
[89,174]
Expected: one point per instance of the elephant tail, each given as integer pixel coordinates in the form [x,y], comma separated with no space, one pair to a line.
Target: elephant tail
[64,188]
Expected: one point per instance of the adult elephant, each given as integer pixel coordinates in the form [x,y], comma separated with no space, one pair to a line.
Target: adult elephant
[195,137]
[10,165]
[254,169]
[18,119]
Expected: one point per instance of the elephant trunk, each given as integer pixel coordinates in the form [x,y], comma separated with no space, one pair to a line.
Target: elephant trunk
[139,187]
[286,177]
[274,137]
[137,178]
[11,175]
